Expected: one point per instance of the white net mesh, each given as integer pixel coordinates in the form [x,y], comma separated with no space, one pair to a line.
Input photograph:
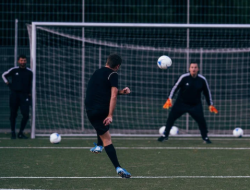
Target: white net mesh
[64,66]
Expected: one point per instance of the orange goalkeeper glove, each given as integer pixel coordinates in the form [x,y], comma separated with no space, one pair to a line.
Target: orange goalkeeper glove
[168,104]
[213,109]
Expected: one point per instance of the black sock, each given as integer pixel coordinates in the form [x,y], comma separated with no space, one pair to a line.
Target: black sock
[99,141]
[110,150]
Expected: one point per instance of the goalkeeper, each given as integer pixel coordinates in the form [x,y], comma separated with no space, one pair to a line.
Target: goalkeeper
[190,86]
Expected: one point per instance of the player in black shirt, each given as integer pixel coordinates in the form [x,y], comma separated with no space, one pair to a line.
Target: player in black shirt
[20,96]
[100,102]
[190,86]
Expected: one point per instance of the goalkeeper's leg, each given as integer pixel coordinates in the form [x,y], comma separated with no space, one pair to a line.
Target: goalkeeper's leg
[177,111]
[198,115]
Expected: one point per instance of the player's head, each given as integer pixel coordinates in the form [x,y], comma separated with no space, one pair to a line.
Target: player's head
[114,61]
[194,68]
[22,60]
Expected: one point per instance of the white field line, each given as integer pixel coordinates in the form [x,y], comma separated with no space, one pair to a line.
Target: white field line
[155,139]
[143,138]
[23,189]
[139,148]
[134,177]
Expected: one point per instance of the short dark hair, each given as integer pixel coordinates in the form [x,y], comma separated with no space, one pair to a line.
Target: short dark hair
[22,56]
[114,60]
[194,62]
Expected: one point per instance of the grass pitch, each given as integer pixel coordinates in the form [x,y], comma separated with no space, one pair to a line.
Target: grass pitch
[179,163]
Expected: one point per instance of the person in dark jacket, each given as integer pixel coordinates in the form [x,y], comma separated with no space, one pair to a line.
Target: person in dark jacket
[190,86]
[20,86]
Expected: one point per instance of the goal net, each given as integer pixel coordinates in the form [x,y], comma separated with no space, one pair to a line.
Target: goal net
[65,57]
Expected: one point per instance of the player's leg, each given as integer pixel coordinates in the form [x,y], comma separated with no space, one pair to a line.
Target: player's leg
[108,146]
[14,104]
[96,118]
[96,121]
[98,146]
[177,111]
[197,114]
[111,152]
[24,107]
[99,141]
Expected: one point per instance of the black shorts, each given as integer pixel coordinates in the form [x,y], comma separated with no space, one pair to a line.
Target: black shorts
[96,118]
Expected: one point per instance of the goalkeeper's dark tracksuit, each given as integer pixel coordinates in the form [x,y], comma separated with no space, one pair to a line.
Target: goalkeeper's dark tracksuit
[20,96]
[189,101]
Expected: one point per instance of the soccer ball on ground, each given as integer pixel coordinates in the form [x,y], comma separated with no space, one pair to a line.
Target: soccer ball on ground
[173,131]
[238,132]
[161,130]
[164,62]
[55,138]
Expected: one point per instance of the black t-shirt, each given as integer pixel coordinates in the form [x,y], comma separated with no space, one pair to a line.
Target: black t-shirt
[99,89]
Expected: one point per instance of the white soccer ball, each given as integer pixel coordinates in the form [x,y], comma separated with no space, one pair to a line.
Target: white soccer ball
[55,138]
[238,132]
[174,130]
[161,130]
[164,62]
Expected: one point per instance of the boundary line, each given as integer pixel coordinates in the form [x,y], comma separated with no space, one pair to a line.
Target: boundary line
[143,138]
[139,148]
[134,177]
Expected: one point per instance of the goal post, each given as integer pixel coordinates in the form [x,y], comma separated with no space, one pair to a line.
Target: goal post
[58,84]
[33,67]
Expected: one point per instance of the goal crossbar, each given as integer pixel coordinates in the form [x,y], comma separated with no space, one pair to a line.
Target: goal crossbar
[140,25]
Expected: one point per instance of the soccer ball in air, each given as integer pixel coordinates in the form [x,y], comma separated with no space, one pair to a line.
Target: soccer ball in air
[164,62]
[174,130]
[238,132]
[55,138]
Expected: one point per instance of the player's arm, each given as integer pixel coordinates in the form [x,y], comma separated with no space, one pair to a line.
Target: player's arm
[113,79]
[174,89]
[208,96]
[112,104]
[6,74]
[124,91]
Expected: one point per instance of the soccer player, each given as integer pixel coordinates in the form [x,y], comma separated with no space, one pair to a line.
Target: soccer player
[190,86]
[20,86]
[100,102]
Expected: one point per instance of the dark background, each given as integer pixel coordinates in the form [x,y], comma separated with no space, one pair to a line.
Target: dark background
[140,11]
[129,11]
